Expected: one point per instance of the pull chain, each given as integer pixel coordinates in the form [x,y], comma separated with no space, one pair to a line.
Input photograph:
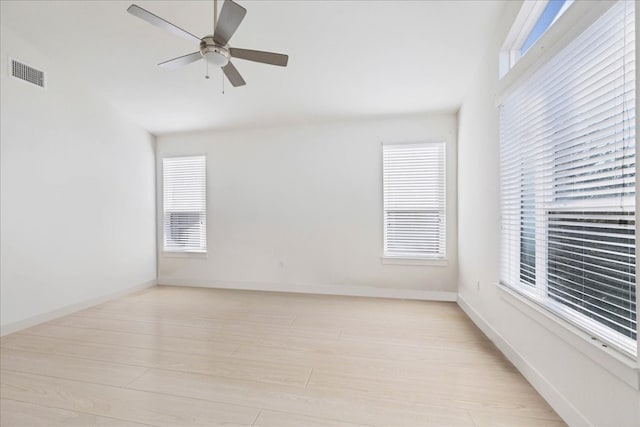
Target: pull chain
[222,83]
[206,76]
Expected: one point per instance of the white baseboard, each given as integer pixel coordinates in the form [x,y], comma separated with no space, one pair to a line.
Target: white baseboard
[340,290]
[558,402]
[63,311]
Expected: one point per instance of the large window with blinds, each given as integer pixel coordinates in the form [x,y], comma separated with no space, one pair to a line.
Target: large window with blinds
[567,155]
[414,200]
[184,204]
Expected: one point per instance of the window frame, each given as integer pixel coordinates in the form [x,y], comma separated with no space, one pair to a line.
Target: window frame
[188,252]
[403,258]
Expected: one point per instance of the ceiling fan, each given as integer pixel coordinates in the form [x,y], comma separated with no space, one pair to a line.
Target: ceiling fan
[214,48]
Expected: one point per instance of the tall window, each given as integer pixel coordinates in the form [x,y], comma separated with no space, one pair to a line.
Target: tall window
[185,204]
[414,200]
[568,169]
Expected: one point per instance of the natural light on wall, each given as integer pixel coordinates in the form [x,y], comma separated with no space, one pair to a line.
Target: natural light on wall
[567,156]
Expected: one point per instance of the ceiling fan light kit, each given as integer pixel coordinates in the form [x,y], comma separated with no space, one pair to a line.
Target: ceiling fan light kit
[214,54]
[214,48]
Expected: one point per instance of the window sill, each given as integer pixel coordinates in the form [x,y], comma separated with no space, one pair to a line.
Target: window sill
[184,254]
[622,366]
[389,260]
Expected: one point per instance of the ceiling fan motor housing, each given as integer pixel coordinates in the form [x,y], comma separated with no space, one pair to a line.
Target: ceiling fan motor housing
[213,52]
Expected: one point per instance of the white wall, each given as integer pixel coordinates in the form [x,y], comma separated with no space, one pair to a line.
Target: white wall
[299,208]
[575,376]
[77,195]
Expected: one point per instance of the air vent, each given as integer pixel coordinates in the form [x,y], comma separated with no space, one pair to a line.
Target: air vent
[28,74]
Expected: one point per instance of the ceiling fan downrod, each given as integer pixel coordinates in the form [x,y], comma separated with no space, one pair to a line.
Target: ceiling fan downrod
[215,15]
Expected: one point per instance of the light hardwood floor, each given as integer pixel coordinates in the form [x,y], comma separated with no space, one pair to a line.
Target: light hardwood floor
[173,356]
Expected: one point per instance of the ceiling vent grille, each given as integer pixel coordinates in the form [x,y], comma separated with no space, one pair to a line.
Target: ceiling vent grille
[28,74]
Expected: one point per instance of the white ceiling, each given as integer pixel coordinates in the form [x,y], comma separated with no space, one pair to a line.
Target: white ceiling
[346,58]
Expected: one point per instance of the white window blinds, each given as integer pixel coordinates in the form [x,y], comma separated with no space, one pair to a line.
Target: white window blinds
[185,204]
[414,200]
[568,169]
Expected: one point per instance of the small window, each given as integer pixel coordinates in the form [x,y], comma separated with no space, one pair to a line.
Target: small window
[550,14]
[185,204]
[533,20]
[414,200]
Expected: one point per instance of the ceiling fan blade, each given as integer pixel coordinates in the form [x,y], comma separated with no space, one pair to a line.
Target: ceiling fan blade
[159,22]
[233,75]
[231,16]
[181,60]
[260,56]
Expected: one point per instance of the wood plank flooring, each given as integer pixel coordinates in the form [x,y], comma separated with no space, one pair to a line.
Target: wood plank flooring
[173,356]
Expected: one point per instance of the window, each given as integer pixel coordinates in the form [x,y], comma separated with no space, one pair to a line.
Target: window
[551,12]
[414,200]
[534,19]
[185,204]
[567,156]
